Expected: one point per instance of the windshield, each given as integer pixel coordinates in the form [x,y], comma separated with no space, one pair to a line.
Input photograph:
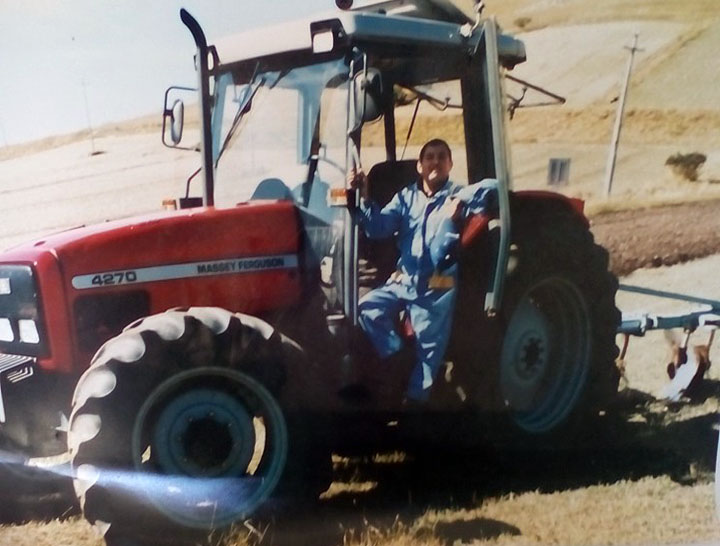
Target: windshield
[279,130]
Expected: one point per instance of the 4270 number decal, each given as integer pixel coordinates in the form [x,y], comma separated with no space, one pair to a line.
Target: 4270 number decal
[187,270]
[119,277]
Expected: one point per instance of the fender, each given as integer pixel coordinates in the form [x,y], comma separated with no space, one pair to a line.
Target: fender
[523,199]
[477,225]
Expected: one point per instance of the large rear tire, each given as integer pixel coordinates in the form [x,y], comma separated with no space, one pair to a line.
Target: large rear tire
[176,428]
[557,359]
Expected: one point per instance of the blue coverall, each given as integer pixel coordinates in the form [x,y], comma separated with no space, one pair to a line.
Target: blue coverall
[426,238]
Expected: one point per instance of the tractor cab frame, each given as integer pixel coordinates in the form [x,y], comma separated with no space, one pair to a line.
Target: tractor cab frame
[287,123]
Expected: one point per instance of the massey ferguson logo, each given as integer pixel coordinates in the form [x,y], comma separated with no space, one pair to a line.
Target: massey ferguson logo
[186,270]
[249,264]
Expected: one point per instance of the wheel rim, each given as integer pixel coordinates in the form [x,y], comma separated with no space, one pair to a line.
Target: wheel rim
[545,356]
[204,432]
[212,444]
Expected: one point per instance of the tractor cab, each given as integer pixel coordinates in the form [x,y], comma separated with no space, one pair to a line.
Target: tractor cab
[288,119]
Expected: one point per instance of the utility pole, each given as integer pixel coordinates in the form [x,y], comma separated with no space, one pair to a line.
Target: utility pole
[610,169]
[4,136]
[87,113]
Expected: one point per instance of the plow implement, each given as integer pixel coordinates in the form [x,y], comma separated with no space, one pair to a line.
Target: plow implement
[686,368]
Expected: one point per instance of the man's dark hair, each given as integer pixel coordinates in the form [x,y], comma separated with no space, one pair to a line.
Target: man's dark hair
[435,142]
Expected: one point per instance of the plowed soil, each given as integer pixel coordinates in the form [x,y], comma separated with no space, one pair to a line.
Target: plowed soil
[658,236]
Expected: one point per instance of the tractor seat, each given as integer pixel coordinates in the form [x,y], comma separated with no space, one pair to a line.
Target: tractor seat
[389,177]
[380,256]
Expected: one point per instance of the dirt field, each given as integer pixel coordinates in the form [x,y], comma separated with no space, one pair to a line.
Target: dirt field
[658,236]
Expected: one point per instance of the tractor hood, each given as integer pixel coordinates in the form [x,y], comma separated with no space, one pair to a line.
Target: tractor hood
[244,258]
[84,285]
[202,234]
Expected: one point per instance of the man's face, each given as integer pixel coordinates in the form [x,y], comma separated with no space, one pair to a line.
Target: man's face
[434,167]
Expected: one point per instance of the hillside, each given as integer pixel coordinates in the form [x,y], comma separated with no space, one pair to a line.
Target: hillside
[579,49]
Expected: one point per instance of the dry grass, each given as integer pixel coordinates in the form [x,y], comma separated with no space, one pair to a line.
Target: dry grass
[71,532]
[398,534]
[648,511]
[600,205]
[591,125]
[142,125]
[594,124]
[147,124]
[651,511]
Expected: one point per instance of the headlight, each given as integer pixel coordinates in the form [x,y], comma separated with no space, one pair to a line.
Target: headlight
[28,331]
[6,332]
[21,319]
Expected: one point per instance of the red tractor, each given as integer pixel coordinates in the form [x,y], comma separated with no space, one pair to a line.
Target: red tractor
[206,346]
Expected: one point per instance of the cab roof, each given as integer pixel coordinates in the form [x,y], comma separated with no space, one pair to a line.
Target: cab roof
[360,28]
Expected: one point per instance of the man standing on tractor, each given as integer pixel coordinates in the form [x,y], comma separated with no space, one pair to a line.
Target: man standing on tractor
[423,284]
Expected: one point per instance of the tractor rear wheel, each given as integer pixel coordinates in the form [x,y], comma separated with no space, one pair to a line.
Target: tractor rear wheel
[557,358]
[176,426]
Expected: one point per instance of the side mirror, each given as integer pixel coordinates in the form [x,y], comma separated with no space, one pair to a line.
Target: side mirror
[368,96]
[177,117]
[174,117]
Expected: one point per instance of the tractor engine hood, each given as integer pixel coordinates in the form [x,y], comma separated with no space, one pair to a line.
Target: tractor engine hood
[260,229]
[103,276]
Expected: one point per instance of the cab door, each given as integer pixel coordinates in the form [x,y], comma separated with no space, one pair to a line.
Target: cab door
[485,116]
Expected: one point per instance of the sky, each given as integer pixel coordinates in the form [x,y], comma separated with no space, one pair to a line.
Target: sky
[69,64]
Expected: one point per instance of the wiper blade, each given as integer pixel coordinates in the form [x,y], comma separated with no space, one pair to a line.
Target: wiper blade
[239,115]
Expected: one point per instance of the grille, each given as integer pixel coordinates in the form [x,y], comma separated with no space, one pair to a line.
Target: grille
[10,361]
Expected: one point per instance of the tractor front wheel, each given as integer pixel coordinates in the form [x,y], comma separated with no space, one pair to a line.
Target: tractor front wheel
[176,427]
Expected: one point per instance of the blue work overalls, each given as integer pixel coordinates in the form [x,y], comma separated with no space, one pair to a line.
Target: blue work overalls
[424,284]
